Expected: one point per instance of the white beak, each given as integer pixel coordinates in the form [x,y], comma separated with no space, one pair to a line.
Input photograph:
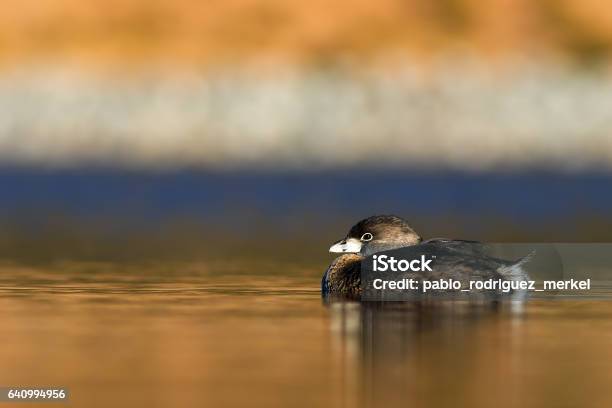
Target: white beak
[347,246]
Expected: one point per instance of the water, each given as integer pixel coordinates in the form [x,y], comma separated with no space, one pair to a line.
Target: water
[195,337]
[111,214]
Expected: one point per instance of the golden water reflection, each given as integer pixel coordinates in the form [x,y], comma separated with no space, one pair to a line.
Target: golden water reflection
[257,341]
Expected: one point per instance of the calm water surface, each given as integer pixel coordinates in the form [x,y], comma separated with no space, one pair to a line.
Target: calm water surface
[137,340]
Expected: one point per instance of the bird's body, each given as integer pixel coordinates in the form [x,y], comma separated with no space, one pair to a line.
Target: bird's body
[343,276]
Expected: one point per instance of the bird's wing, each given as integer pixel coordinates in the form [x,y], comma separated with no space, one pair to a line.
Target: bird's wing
[462,246]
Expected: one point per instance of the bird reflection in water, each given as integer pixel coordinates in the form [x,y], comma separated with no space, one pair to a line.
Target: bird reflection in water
[437,353]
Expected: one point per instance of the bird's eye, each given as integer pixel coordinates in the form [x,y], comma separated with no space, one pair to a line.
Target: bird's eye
[367,237]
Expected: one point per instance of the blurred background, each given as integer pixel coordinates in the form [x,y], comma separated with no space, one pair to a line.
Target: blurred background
[140,130]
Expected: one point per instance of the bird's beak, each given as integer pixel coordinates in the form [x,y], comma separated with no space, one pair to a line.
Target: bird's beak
[346,246]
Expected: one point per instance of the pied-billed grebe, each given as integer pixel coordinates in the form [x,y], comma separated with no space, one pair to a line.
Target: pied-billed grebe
[462,261]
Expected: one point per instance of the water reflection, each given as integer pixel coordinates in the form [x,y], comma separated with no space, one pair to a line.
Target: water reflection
[461,354]
[198,339]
